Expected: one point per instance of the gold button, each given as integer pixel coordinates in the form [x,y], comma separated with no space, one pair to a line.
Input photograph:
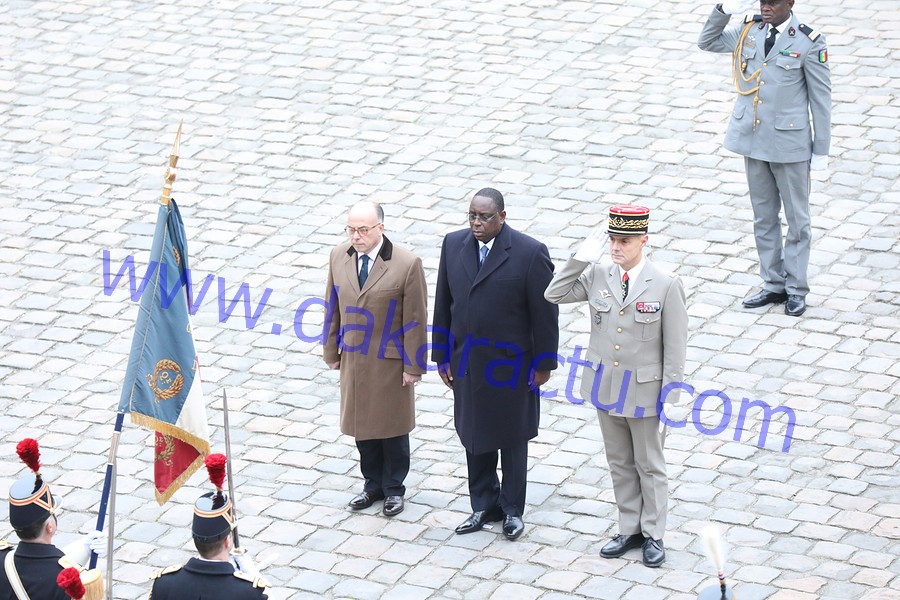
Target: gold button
[757,121]
[656,377]
[792,124]
[758,101]
[647,320]
[617,346]
[621,312]
[764,64]
[616,364]
[618,330]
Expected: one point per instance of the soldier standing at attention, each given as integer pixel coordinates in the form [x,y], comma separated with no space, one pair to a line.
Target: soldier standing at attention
[780,70]
[30,570]
[212,576]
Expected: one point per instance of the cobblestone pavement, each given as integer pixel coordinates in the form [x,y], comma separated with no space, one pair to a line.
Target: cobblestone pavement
[295,109]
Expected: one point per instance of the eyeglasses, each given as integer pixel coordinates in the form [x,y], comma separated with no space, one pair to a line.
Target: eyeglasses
[363,231]
[483,218]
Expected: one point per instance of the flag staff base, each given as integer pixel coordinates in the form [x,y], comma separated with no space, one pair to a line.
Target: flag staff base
[714,592]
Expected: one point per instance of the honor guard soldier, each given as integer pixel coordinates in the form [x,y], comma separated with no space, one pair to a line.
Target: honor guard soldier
[780,72]
[30,569]
[212,576]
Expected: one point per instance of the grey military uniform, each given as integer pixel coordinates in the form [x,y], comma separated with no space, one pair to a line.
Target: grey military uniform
[770,126]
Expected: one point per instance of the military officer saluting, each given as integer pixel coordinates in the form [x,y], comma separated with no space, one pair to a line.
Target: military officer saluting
[30,569]
[634,360]
[780,71]
[213,575]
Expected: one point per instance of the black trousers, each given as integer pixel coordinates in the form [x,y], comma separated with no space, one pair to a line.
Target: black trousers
[486,491]
[384,464]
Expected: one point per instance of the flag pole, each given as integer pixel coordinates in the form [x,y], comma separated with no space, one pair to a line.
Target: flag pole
[104,498]
[112,533]
[234,532]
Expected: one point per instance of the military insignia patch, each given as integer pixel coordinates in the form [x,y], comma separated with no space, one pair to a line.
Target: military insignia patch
[647,307]
[792,32]
[823,55]
[599,303]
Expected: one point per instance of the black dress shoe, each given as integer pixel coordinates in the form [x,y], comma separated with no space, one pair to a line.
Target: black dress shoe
[764,298]
[393,505]
[479,518]
[796,306]
[621,544]
[513,527]
[654,553]
[365,500]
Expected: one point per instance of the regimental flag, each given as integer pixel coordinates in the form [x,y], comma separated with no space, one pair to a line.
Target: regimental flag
[162,388]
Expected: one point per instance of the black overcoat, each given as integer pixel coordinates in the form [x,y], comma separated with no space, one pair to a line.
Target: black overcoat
[493,326]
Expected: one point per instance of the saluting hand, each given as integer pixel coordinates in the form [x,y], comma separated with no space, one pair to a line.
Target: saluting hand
[593,246]
[738,7]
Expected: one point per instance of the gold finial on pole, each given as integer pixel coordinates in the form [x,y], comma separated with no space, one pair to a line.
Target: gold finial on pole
[170,170]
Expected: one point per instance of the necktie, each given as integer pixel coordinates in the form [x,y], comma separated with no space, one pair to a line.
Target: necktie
[770,40]
[484,251]
[624,286]
[364,271]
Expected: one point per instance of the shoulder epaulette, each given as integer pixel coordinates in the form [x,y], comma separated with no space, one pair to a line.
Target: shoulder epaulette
[809,31]
[166,571]
[752,18]
[65,562]
[4,545]
[258,582]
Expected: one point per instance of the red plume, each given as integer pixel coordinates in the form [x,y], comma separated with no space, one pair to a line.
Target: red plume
[215,464]
[28,451]
[70,580]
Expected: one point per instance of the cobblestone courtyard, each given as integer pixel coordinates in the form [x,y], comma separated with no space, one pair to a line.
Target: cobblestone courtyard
[294,110]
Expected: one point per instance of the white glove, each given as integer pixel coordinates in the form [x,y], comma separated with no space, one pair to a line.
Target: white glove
[97,542]
[818,162]
[80,550]
[818,166]
[593,246]
[244,563]
[739,7]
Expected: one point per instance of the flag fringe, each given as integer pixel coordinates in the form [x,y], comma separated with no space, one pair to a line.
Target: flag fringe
[162,498]
[165,428]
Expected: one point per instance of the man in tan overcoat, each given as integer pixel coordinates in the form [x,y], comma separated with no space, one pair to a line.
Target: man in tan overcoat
[376,329]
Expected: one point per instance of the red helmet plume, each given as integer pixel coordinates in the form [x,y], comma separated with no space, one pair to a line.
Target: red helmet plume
[215,465]
[30,454]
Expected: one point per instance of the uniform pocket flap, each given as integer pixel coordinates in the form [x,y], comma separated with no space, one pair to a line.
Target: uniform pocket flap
[787,62]
[648,317]
[649,373]
[791,121]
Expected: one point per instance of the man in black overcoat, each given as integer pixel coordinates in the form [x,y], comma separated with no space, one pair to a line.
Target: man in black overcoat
[495,341]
